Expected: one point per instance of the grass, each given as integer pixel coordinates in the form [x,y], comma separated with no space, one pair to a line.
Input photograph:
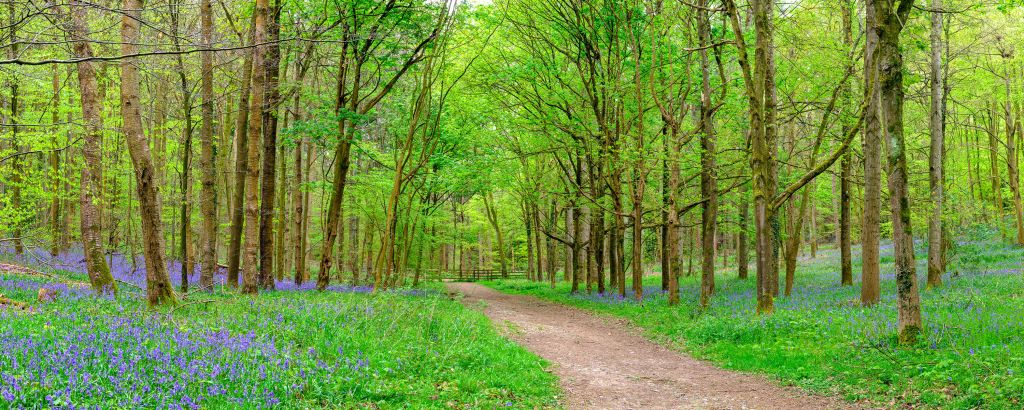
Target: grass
[286,349]
[971,354]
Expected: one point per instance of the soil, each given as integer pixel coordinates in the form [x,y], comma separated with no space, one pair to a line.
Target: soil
[604,363]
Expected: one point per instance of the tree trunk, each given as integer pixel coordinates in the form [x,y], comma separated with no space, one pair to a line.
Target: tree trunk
[96,266]
[708,178]
[251,271]
[341,159]
[870,291]
[282,215]
[158,284]
[57,227]
[888,23]
[271,59]
[241,166]
[17,177]
[208,195]
[742,254]
[997,186]
[936,266]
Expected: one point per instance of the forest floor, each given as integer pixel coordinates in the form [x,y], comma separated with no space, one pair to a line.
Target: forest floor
[603,363]
[821,340]
[64,347]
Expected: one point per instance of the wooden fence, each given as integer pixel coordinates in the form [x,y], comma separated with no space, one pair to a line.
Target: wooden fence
[473,275]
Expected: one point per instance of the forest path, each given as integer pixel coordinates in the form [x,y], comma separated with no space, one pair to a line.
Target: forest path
[602,362]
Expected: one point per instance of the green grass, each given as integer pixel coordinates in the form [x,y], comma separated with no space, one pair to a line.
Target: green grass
[971,354]
[286,349]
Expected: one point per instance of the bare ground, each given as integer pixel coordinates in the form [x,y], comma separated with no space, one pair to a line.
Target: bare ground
[603,363]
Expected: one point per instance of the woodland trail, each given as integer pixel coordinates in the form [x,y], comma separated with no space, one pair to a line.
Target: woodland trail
[602,362]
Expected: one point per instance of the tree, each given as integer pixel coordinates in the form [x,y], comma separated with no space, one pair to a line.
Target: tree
[99,272]
[350,104]
[886,18]
[208,195]
[158,284]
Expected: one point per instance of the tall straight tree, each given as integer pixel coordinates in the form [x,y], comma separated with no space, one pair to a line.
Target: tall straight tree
[708,181]
[96,267]
[760,92]
[188,262]
[208,195]
[846,166]
[937,125]
[241,165]
[250,260]
[268,118]
[18,167]
[887,19]
[158,284]
[871,230]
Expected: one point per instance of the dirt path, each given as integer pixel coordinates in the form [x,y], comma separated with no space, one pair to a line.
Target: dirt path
[604,364]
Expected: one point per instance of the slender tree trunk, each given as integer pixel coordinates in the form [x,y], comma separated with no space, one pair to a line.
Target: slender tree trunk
[936,265]
[1013,175]
[846,166]
[158,284]
[742,254]
[96,266]
[341,159]
[57,227]
[282,215]
[299,212]
[241,167]
[997,185]
[17,177]
[708,178]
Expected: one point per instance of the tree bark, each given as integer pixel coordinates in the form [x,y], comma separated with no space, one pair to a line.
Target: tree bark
[888,22]
[742,254]
[870,291]
[937,125]
[208,194]
[251,272]
[158,284]
[241,166]
[846,167]
[708,177]
[271,59]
